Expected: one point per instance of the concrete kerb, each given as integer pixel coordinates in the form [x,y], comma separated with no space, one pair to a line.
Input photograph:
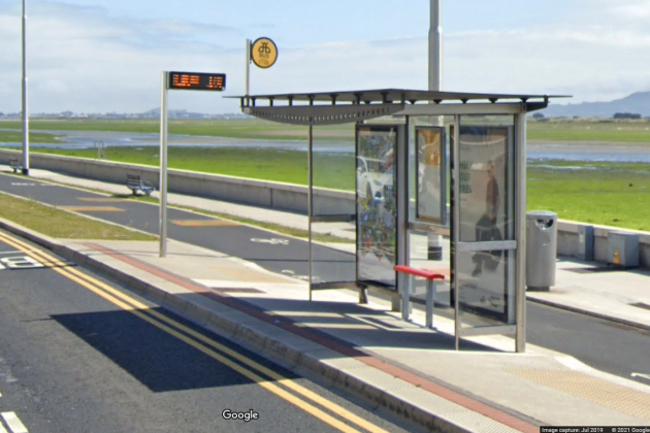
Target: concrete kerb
[589,313]
[250,333]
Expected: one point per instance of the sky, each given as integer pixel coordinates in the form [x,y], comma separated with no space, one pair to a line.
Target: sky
[100,56]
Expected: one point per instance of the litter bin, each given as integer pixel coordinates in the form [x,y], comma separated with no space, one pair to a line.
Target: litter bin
[541,249]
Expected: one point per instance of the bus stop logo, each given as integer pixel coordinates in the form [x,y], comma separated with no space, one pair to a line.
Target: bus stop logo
[264,52]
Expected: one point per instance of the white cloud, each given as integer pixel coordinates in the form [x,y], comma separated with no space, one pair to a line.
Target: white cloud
[83,59]
[623,9]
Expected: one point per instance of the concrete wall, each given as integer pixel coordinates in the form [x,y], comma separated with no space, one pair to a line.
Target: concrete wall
[280,195]
[567,242]
[230,188]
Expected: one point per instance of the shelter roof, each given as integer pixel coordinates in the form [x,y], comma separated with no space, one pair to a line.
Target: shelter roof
[395,95]
[329,108]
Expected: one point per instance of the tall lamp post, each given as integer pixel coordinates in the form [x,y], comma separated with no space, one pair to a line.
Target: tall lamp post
[434,242]
[435,47]
[25,112]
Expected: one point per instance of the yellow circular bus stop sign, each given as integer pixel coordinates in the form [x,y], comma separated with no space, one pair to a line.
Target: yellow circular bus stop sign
[264,52]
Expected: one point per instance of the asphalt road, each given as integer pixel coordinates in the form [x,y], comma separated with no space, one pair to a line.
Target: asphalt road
[601,344]
[271,251]
[80,354]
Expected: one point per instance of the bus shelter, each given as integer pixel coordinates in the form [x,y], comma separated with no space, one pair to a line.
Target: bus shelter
[439,185]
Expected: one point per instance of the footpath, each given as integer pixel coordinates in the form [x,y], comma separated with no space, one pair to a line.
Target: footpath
[367,349]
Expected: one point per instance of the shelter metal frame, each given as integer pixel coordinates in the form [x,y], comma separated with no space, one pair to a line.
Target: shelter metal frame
[330,108]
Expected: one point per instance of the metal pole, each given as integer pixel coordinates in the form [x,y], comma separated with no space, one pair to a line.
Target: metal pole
[248,70]
[435,47]
[434,242]
[163,166]
[310,200]
[455,228]
[520,215]
[25,107]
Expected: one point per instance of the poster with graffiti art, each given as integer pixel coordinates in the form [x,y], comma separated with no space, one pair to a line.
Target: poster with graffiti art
[376,204]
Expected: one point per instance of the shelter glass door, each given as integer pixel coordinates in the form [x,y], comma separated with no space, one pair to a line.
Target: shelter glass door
[484,188]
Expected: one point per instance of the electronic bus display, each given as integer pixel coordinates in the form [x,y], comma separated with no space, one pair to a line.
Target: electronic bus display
[197,81]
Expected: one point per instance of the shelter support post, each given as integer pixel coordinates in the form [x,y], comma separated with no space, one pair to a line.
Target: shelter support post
[520,279]
[310,201]
[455,224]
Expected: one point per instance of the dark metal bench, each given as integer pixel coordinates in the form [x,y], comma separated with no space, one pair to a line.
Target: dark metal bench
[15,165]
[135,184]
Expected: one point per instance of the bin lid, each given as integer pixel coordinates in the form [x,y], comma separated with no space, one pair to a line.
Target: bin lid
[541,214]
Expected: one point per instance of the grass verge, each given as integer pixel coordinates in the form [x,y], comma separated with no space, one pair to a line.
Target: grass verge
[57,223]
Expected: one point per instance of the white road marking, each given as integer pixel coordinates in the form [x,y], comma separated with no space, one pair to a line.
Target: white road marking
[20,262]
[13,422]
[2,429]
[643,375]
[273,241]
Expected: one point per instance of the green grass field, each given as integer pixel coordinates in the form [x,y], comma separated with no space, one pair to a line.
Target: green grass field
[234,128]
[615,194]
[17,137]
[590,130]
[562,130]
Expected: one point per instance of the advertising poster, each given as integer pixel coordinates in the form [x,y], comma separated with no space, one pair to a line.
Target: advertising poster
[485,215]
[431,178]
[376,204]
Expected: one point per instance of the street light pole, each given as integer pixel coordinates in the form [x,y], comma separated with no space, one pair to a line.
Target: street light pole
[24,86]
[435,47]
[434,242]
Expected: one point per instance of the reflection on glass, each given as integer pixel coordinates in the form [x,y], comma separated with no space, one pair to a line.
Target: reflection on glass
[486,300]
[485,190]
[376,204]
[484,271]
[419,258]
[431,188]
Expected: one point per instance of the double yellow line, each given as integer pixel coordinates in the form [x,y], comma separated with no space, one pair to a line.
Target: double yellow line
[278,384]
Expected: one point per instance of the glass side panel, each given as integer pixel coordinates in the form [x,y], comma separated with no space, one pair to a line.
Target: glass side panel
[376,204]
[334,206]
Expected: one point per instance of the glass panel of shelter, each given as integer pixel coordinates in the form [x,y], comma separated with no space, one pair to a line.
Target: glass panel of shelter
[485,257]
[429,208]
[485,260]
[333,215]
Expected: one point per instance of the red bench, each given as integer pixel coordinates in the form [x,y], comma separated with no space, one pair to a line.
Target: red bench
[431,278]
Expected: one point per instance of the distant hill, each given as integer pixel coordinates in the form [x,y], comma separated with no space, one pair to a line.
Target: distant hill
[638,102]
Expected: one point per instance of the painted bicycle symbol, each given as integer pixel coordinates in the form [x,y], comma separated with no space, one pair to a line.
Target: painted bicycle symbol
[264,48]
[272,241]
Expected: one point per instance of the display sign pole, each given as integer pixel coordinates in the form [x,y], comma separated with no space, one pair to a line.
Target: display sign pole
[248,70]
[200,81]
[163,165]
